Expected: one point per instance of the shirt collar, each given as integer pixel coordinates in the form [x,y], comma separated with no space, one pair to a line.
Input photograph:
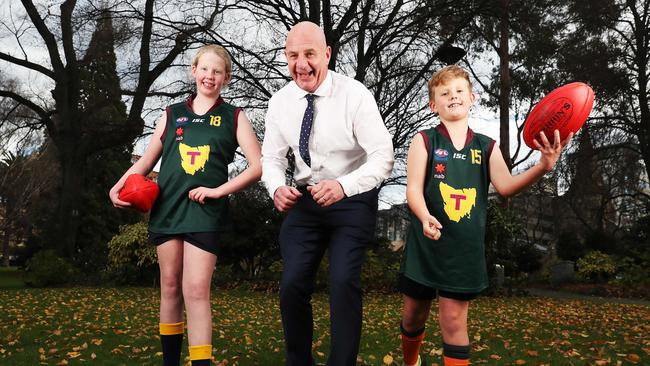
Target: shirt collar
[189,101]
[442,129]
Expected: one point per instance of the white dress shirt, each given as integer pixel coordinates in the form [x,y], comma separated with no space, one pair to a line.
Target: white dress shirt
[349,141]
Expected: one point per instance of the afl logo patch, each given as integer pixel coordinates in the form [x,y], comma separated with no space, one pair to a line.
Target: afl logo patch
[441,155]
[181,121]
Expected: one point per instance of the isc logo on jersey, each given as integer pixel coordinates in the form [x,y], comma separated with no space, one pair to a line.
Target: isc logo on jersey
[441,155]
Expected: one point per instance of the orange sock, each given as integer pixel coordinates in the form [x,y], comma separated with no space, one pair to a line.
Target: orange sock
[411,348]
[455,355]
[455,362]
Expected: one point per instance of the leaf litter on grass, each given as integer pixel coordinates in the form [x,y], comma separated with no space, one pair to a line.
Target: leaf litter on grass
[118,326]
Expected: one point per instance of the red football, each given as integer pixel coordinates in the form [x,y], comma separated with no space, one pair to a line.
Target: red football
[565,109]
[139,191]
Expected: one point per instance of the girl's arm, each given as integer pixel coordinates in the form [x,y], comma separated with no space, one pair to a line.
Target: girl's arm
[507,184]
[144,165]
[416,169]
[251,148]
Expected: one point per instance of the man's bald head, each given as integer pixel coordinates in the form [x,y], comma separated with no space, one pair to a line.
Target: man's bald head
[307,55]
[306,31]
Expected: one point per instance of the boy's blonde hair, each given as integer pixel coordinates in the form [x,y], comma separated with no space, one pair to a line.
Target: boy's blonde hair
[444,75]
[219,51]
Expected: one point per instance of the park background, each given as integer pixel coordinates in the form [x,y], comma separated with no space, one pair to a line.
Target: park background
[82,82]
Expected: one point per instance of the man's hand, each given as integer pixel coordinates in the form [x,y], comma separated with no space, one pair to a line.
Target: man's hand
[327,192]
[285,197]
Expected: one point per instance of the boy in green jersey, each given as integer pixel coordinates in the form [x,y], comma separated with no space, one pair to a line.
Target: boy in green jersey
[196,140]
[449,169]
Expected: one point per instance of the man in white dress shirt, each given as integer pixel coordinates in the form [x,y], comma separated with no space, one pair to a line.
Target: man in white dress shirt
[343,152]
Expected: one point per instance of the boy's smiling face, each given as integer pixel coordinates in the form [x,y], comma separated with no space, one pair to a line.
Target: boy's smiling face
[452,99]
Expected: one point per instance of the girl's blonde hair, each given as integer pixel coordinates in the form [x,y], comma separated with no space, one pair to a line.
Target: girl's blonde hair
[444,75]
[219,51]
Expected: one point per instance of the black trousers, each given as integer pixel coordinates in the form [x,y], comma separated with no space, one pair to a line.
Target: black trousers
[344,229]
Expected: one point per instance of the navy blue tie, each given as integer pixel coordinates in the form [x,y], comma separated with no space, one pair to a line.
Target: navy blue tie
[305,130]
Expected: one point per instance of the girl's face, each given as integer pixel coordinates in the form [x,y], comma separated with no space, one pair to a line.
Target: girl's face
[210,74]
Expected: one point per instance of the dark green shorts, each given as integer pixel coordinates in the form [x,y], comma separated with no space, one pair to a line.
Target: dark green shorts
[204,240]
[419,291]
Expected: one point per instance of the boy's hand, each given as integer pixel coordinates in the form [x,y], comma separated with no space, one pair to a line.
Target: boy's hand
[200,194]
[431,228]
[551,152]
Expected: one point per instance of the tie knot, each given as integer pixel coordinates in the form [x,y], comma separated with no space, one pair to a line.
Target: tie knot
[310,98]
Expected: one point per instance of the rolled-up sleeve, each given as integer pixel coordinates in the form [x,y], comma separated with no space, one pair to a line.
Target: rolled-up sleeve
[373,137]
[274,152]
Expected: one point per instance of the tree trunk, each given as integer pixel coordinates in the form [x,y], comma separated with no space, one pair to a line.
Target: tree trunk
[5,245]
[504,82]
[643,132]
[644,139]
[70,198]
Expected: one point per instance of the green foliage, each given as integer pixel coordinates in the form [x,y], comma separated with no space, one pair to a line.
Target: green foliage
[596,266]
[131,259]
[569,246]
[501,246]
[46,268]
[250,246]
[527,258]
[99,220]
[638,238]
[634,271]
[604,242]
[380,269]
[130,246]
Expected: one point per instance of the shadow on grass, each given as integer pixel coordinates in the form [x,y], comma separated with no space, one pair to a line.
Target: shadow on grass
[11,278]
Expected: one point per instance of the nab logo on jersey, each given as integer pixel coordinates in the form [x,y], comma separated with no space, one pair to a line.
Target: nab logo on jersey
[193,158]
[458,202]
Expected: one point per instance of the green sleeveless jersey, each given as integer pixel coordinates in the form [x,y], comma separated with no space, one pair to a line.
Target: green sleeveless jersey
[456,193]
[196,152]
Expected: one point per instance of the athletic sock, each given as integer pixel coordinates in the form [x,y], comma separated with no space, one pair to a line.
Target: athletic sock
[455,355]
[171,340]
[201,355]
[411,342]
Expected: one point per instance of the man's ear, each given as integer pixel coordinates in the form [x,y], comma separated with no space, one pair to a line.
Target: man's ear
[328,53]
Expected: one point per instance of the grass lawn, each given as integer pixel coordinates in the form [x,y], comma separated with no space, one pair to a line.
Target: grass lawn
[118,326]
[10,278]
